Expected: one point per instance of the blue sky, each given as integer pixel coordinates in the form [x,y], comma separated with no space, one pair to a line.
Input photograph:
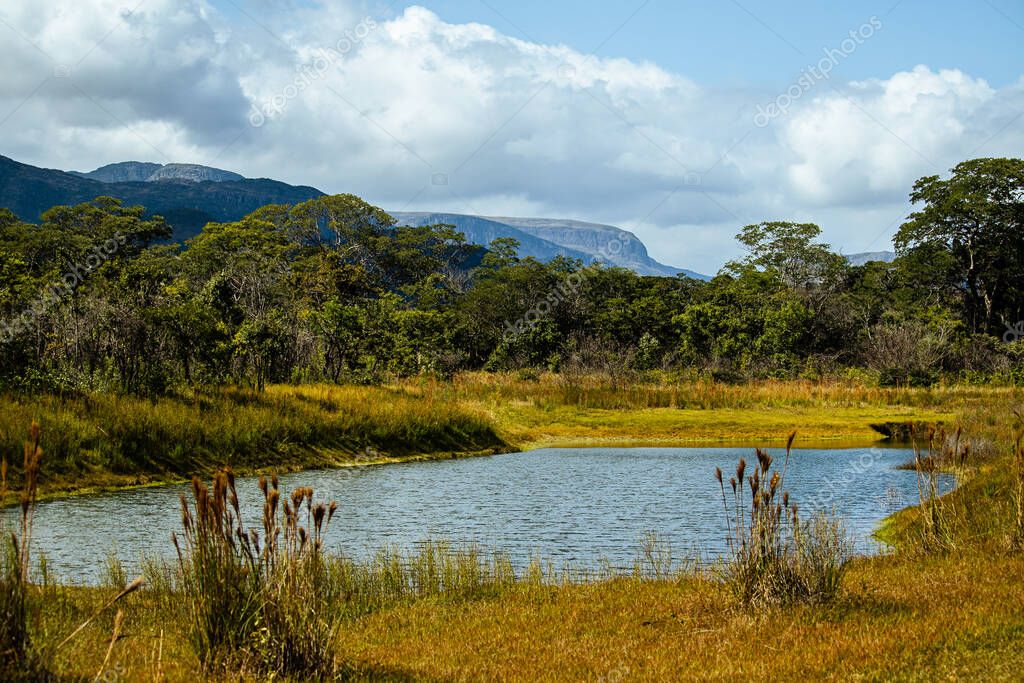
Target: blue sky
[765,42]
[665,132]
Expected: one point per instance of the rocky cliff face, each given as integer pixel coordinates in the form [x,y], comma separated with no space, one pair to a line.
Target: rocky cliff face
[123,172]
[143,172]
[605,243]
[193,173]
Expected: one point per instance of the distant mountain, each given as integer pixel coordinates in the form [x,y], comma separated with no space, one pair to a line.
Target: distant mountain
[484,231]
[545,238]
[605,243]
[868,256]
[189,196]
[187,205]
[139,171]
[123,172]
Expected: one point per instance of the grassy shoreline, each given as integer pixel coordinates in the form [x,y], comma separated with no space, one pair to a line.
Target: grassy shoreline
[99,443]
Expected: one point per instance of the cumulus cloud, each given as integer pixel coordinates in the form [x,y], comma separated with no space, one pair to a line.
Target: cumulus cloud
[416,113]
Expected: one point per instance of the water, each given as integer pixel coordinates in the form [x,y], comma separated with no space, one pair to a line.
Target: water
[581,506]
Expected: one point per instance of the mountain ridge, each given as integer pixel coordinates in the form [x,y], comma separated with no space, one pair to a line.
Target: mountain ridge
[189,195]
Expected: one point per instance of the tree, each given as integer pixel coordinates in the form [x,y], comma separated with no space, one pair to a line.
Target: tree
[977,217]
[790,250]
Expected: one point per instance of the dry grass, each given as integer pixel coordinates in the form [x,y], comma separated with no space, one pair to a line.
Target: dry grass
[948,617]
[941,618]
[17,652]
[257,603]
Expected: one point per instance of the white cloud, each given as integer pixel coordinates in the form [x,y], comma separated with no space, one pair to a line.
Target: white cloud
[516,126]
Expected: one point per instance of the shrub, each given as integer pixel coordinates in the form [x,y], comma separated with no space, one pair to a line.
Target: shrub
[774,556]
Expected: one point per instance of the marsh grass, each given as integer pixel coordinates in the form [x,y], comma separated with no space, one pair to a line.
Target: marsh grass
[941,515]
[18,657]
[102,439]
[774,556]
[662,390]
[257,600]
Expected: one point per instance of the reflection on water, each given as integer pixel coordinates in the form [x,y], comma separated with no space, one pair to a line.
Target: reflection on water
[580,506]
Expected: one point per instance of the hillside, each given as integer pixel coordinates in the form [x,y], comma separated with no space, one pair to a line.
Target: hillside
[188,206]
[544,238]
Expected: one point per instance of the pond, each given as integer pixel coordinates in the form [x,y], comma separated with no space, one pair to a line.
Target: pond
[583,506]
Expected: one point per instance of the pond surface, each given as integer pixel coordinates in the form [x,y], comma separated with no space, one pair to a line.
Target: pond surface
[582,506]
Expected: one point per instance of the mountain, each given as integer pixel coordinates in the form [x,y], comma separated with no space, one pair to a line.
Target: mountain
[123,172]
[187,205]
[605,243]
[138,171]
[545,238]
[868,256]
[483,231]
[189,196]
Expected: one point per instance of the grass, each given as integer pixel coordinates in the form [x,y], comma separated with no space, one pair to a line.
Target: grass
[101,441]
[944,618]
[549,413]
[910,618]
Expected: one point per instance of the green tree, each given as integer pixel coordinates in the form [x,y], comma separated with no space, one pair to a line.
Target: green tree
[976,217]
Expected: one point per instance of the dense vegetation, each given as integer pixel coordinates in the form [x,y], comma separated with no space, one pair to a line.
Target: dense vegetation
[331,290]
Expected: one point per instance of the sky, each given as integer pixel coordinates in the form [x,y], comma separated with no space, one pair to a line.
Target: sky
[680,121]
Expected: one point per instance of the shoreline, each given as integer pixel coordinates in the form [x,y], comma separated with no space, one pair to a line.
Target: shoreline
[103,443]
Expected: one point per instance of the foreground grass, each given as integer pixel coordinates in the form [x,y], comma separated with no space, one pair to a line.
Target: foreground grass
[951,617]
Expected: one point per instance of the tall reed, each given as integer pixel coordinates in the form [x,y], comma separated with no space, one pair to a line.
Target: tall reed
[262,603]
[1018,471]
[943,454]
[775,557]
[17,656]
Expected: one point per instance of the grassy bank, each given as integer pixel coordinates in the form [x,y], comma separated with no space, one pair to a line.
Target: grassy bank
[100,441]
[551,411]
[940,618]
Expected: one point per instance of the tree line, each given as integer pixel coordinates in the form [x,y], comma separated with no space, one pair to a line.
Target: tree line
[95,297]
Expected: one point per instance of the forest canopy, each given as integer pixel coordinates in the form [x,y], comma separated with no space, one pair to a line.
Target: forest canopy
[95,298]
